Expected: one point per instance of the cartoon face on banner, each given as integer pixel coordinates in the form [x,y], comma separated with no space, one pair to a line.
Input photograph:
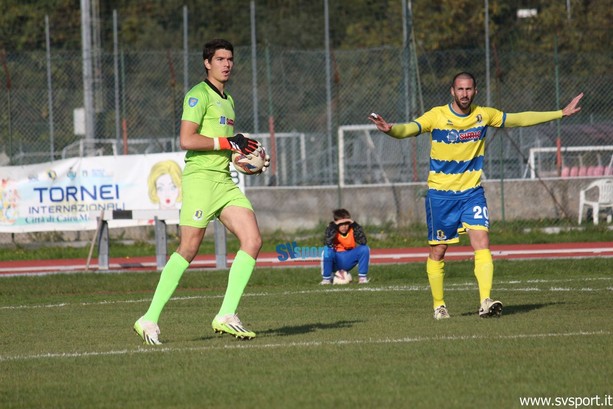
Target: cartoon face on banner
[69,194]
[164,184]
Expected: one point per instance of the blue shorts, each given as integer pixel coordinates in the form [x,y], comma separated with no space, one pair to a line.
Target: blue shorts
[448,217]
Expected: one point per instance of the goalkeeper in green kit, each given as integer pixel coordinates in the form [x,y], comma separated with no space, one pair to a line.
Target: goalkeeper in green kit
[207,129]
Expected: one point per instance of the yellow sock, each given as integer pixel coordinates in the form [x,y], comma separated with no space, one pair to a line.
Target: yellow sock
[484,271]
[436,274]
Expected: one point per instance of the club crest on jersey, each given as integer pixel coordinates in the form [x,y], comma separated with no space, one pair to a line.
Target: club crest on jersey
[197,215]
[453,135]
[479,119]
[440,235]
[192,102]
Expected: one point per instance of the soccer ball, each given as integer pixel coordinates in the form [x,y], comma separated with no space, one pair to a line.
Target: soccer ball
[250,164]
[342,277]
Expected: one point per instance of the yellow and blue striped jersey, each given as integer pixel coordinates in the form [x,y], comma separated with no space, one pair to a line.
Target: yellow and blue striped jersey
[458,142]
[458,146]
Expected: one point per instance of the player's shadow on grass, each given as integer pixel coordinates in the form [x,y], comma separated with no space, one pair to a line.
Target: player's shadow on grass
[525,308]
[304,329]
[518,309]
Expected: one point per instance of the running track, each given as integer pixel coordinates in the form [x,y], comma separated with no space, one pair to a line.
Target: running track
[378,256]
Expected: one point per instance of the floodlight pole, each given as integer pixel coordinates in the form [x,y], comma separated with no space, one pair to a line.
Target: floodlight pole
[49,89]
[88,89]
[328,83]
[254,71]
[116,84]
[185,52]
[487,54]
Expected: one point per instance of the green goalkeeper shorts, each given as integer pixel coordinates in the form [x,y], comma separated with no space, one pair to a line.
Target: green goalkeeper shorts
[203,200]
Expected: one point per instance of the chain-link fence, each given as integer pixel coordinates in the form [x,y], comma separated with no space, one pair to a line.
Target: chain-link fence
[138,99]
[139,95]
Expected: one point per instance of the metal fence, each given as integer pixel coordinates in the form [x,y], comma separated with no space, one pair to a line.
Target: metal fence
[39,112]
[139,95]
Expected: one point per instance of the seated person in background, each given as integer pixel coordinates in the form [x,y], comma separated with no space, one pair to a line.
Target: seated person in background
[345,247]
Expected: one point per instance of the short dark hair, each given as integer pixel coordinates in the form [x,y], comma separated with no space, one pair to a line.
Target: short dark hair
[464,75]
[217,44]
[340,214]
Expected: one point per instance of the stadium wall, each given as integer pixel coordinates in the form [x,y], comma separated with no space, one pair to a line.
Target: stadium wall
[292,209]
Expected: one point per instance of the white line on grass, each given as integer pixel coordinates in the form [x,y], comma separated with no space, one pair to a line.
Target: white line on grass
[255,345]
[340,289]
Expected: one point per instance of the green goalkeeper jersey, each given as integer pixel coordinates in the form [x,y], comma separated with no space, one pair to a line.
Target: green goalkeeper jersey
[214,114]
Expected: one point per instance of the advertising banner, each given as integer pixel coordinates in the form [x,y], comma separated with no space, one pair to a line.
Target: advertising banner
[66,195]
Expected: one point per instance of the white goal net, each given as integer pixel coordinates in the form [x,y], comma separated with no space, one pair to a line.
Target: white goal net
[367,156]
[571,161]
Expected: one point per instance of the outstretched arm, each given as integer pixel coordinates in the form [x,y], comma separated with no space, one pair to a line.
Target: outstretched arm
[572,108]
[381,123]
[535,118]
[397,131]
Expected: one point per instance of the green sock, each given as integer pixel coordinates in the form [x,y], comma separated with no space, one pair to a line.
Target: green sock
[169,279]
[240,272]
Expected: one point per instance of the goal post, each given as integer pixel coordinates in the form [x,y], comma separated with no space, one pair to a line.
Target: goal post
[576,161]
[367,156]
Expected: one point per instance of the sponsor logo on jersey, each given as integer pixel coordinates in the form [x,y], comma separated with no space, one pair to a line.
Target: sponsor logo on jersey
[192,102]
[226,121]
[466,136]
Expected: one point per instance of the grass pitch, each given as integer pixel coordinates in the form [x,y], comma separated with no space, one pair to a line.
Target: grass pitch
[66,341]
